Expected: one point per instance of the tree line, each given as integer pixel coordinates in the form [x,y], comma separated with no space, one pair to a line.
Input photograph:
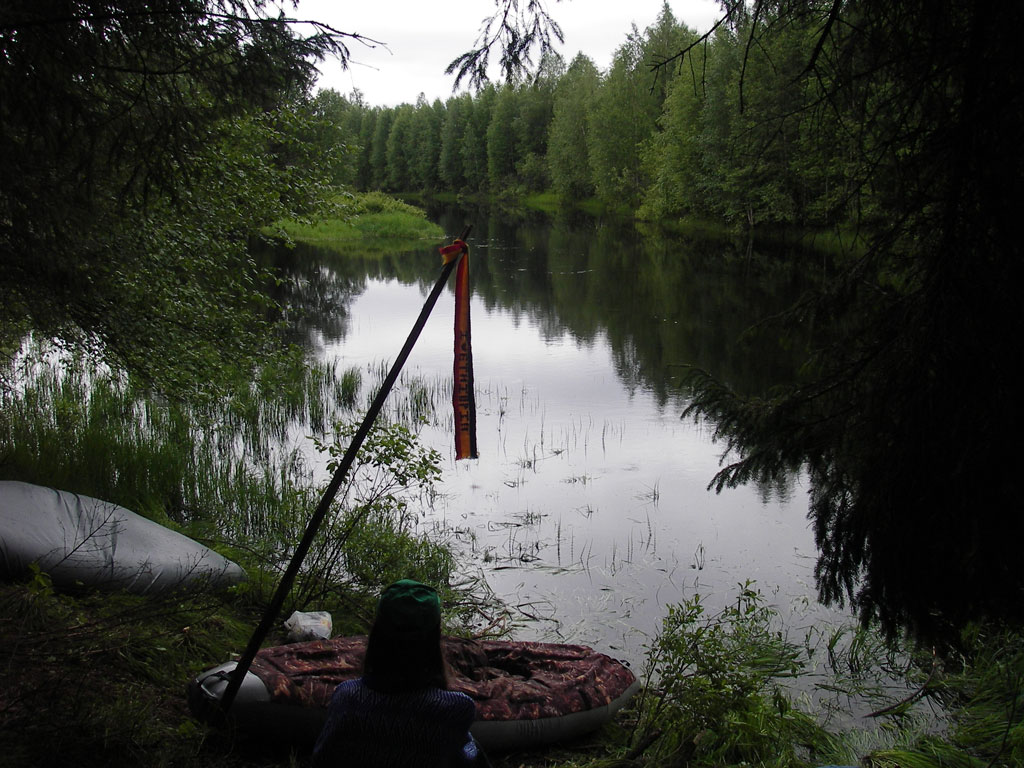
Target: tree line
[726,131]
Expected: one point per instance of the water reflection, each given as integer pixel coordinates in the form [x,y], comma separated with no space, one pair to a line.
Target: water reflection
[588,507]
[317,295]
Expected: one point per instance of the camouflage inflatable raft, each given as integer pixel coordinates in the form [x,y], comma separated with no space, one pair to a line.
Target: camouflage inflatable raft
[527,694]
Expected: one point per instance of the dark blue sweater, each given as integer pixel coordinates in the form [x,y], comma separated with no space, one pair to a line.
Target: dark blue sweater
[428,728]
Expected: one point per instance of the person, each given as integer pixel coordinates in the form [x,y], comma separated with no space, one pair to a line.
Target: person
[400,713]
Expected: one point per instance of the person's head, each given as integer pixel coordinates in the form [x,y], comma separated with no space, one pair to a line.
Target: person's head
[404,649]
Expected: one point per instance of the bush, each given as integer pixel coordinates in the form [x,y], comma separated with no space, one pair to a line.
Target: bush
[714,694]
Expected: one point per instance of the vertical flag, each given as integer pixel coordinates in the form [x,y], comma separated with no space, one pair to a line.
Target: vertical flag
[463,397]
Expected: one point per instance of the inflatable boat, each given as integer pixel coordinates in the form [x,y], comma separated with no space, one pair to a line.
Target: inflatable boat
[79,540]
[527,694]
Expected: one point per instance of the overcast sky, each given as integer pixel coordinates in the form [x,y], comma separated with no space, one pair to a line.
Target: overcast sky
[423,37]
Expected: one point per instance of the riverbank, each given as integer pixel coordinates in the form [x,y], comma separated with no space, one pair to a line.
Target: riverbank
[97,680]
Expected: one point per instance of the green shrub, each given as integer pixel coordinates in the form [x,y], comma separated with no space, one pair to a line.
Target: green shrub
[714,694]
[367,220]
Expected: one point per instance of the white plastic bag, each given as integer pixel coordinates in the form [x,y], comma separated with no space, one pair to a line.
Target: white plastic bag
[312,625]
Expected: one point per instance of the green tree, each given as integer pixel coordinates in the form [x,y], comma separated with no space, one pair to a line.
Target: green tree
[661,41]
[474,140]
[672,158]
[501,139]
[532,123]
[426,139]
[453,130]
[367,132]
[721,69]
[336,134]
[568,138]
[379,148]
[400,150]
[769,100]
[142,143]
[622,116]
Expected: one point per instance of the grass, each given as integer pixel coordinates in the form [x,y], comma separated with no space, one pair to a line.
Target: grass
[551,203]
[90,677]
[96,679]
[367,221]
[73,425]
[548,202]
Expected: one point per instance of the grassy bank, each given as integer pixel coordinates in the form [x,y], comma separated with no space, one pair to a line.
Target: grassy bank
[367,221]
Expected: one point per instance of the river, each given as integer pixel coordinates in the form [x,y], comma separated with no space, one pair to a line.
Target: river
[588,509]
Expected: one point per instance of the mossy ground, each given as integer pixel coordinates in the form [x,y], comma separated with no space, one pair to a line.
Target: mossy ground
[99,679]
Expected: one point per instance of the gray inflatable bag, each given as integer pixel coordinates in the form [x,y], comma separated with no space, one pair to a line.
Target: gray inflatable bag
[79,539]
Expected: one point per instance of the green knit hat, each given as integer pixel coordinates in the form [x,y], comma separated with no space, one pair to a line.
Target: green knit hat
[409,606]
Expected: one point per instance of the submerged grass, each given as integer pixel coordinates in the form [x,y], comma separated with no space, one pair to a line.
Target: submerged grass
[72,425]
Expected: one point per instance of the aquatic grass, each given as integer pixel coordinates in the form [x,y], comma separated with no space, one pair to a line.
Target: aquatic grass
[651,494]
[225,473]
[415,401]
[89,433]
[698,558]
[394,227]
[77,426]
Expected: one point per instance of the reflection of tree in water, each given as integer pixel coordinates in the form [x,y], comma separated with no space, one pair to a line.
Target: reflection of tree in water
[662,303]
[316,290]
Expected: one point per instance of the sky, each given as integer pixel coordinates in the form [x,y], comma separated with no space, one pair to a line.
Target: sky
[422,37]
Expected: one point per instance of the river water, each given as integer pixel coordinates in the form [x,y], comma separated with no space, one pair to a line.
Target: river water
[588,510]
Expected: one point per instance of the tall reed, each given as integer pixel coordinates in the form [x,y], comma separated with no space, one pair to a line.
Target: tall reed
[235,474]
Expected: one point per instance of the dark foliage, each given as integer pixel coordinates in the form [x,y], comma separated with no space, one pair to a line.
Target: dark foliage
[141,142]
[907,422]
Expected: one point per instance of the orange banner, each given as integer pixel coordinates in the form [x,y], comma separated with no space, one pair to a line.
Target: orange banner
[463,396]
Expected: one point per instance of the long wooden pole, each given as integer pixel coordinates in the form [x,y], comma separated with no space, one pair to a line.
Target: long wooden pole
[288,579]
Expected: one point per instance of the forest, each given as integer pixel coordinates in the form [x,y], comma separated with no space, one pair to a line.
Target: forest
[681,125]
